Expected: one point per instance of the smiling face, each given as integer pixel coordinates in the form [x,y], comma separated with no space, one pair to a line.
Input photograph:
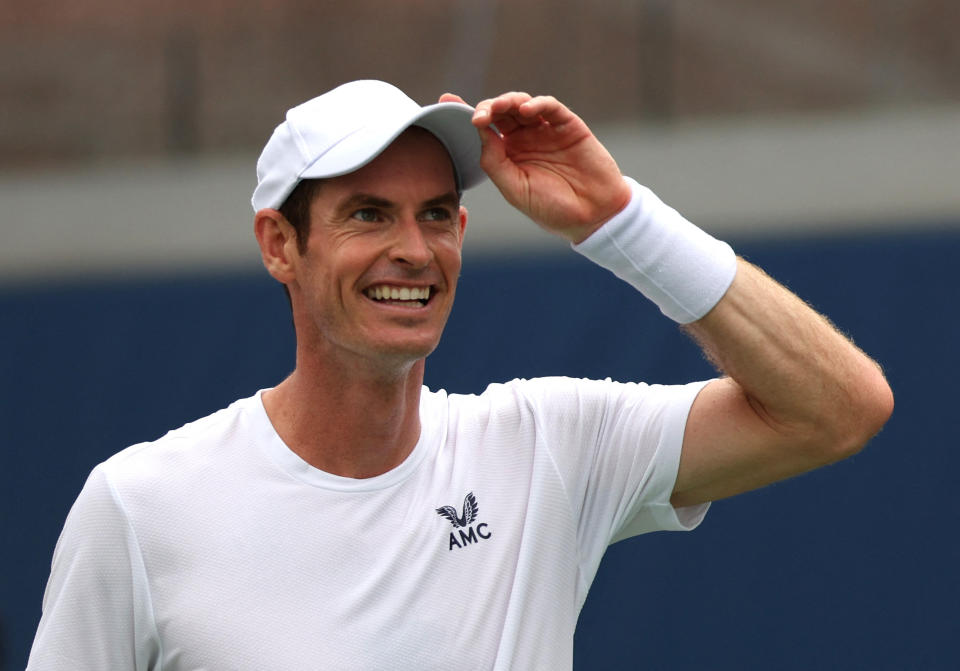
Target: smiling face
[377,278]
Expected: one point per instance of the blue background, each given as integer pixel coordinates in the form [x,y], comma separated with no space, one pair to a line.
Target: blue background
[852,566]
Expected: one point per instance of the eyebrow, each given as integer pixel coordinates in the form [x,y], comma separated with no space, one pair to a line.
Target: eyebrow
[449,199]
[358,200]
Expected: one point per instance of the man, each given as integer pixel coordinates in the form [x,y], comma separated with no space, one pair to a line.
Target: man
[318,524]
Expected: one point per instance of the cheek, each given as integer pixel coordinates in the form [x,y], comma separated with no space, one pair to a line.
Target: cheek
[321,285]
[450,261]
[449,246]
[331,264]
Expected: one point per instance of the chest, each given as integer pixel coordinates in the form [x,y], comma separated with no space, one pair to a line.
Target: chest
[416,576]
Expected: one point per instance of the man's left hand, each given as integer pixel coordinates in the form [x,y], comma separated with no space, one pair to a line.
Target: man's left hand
[547,163]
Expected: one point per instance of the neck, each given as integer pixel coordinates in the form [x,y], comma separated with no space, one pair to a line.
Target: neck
[346,420]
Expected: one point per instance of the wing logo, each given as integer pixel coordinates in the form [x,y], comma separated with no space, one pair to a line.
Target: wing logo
[465,533]
[470,510]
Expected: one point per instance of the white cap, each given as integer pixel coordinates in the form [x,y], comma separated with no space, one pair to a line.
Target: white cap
[346,128]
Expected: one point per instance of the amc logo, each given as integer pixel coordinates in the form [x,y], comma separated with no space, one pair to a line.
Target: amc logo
[464,521]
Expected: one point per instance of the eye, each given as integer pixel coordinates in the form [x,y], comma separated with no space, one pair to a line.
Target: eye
[436,214]
[366,214]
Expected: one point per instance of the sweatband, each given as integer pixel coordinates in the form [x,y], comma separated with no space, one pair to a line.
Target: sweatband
[649,245]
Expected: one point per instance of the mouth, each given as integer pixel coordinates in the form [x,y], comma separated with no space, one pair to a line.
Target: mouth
[401,296]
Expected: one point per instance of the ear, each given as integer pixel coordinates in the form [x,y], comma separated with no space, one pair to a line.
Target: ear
[463,224]
[278,244]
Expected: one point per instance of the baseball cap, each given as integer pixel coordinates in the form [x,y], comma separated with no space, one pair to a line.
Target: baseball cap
[347,127]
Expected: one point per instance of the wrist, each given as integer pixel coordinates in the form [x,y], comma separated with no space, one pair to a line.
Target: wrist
[678,266]
[620,199]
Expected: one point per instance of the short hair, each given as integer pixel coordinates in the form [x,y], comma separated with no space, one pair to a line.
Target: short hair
[296,210]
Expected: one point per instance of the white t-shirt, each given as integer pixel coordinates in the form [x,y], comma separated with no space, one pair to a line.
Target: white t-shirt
[216,547]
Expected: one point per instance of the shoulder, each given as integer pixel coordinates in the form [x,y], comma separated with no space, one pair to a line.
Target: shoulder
[561,400]
[558,399]
[515,396]
[181,453]
[554,390]
[524,389]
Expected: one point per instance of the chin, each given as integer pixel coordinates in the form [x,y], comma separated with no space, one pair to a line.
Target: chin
[407,352]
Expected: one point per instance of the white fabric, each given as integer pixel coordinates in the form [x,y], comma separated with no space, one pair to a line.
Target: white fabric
[650,245]
[216,547]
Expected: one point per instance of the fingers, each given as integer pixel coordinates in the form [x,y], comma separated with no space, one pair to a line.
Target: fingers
[452,98]
[512,110]
[502,111]
[504,103]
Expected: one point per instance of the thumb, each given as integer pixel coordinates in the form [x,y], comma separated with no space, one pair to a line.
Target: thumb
[493,154]
[502,171]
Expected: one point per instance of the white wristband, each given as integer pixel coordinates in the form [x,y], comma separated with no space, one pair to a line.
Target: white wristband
[651,246]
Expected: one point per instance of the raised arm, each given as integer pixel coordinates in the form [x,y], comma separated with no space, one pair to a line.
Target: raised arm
[797,393]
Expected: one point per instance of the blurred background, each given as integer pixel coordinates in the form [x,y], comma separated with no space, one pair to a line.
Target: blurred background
[821,138]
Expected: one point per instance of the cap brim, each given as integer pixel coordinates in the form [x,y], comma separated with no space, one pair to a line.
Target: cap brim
[449,122]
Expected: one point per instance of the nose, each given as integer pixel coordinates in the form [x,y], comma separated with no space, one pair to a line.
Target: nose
[410,247]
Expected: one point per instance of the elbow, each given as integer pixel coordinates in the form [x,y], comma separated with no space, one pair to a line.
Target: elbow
[856,422]
[882,407]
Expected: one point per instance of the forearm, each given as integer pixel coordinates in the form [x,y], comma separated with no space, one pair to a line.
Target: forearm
[798,393]
[800,375]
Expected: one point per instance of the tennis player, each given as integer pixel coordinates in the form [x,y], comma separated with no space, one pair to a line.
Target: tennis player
[349,517]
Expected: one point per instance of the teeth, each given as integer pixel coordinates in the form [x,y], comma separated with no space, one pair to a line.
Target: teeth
[399,293]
